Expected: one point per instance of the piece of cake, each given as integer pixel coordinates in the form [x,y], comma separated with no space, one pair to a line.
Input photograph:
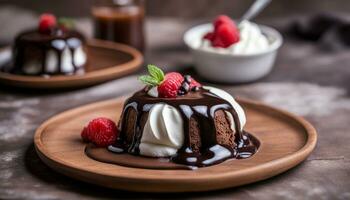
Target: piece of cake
[174,116]
[51,49]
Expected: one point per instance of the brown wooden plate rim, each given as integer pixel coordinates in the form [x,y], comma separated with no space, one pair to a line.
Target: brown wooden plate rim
[136,61]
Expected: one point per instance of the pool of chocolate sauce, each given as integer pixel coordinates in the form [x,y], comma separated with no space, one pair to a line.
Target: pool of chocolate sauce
[137,161]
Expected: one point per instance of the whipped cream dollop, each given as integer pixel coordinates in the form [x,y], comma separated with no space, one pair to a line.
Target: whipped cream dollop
[226,96]
[163,133]
[153,92]
[252,40]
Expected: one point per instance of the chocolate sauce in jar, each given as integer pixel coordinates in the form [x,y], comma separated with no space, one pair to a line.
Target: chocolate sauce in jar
[120,21]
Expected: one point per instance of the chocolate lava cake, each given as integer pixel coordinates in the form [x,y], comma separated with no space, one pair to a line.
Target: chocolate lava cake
[52,49]
[209,119]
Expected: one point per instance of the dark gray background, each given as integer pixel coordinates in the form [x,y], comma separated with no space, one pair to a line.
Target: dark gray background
[189,8]
[306,80]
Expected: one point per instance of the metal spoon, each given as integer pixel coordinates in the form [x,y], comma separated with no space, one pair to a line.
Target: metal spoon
[254,10]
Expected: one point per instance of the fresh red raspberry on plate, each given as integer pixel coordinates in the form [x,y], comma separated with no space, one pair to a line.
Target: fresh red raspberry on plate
[84,135]
[100,131]
[170,85]
[46,22]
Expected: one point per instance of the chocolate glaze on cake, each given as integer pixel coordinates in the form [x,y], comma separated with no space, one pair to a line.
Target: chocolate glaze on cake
[33,45]
[209,139]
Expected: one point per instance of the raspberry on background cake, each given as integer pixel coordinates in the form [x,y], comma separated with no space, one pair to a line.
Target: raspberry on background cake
[53,48]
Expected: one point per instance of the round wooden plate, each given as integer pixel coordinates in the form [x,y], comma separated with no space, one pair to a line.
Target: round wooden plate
[106,61]
[286,140]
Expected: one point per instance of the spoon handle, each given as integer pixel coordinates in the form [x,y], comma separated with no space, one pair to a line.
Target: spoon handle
[254,9]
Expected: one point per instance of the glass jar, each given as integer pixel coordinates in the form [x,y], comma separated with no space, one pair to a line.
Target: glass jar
[120,21]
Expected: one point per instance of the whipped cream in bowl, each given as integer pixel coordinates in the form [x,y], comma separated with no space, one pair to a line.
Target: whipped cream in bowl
[249,59]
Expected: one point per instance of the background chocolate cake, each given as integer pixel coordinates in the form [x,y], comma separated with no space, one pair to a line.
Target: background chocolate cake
[49,50]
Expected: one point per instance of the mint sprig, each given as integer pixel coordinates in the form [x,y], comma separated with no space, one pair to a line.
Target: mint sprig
[66,22]
[156,72]
[155,77]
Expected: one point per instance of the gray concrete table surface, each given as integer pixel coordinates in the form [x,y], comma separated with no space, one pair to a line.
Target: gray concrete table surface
[306,80]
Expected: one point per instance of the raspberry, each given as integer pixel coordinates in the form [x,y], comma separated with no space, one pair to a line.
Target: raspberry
[100,131]
[225,36]
[47,21]
[209,36]
[84,135]
[170,86]
[191,82]
[223,19]
[225,32]
[174,75]
[194,83]
[217,42]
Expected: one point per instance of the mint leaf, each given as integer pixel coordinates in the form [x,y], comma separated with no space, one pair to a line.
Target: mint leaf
[149,80]
[155,77]
[156,73]
[66,22]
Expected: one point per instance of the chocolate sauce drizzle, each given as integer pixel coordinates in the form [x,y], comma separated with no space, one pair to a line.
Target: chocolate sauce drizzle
[200,105]
[32,45]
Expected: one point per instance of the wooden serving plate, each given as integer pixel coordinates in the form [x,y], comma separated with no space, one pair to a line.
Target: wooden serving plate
[286,140]
[106,61]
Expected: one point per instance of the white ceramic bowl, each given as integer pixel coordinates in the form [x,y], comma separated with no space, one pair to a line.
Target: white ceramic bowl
[232,68]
